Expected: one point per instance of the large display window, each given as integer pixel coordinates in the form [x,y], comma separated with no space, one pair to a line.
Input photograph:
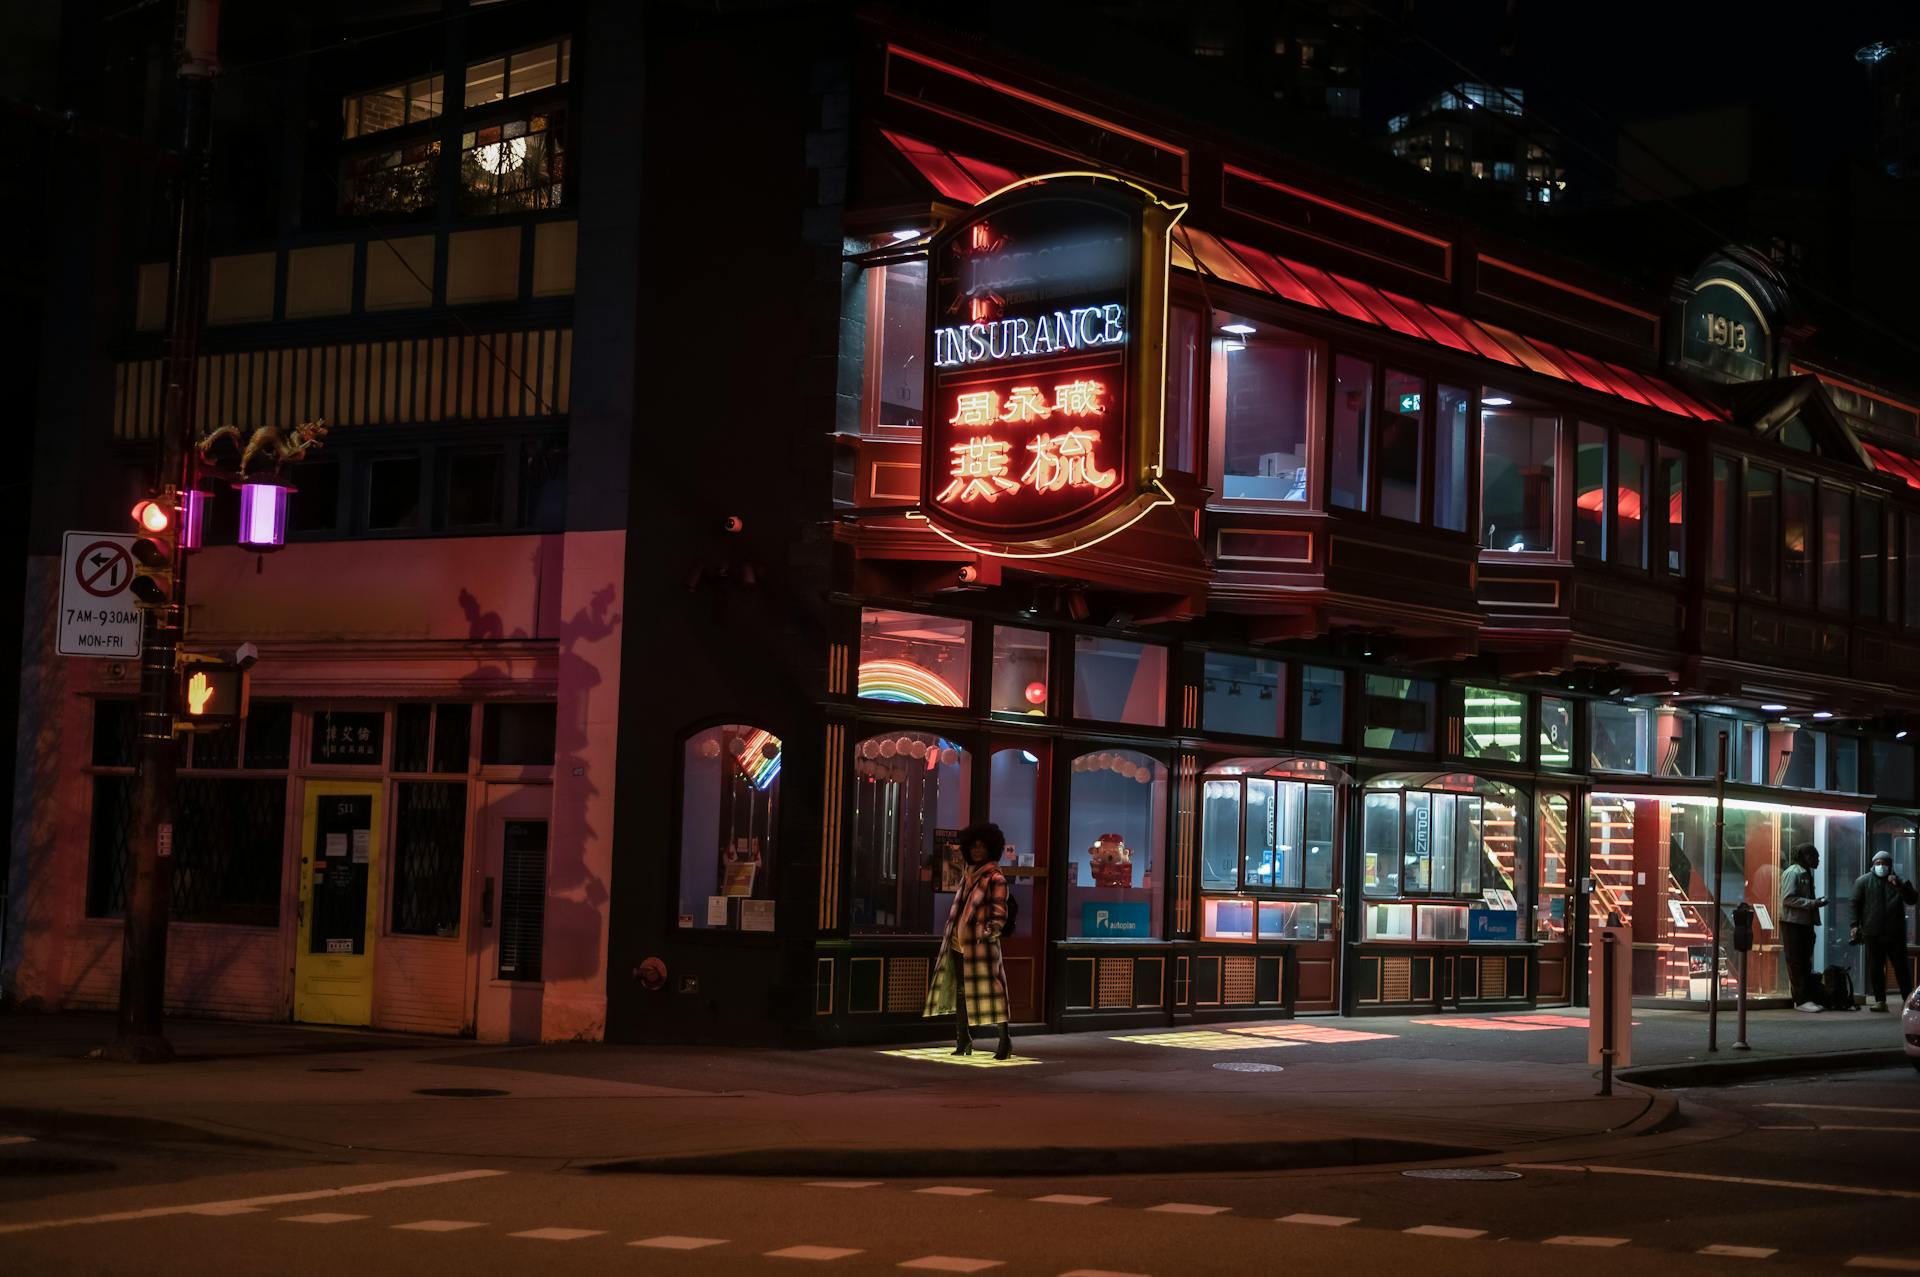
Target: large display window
[729,827]
[1653,862]
[1443,858]
[911,793]
[1895,834]
[1268,827]
[1116,845]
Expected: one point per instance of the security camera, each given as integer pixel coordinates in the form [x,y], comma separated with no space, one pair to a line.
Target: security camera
[245,655]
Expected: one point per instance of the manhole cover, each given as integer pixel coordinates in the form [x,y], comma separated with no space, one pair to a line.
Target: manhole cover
[332,1068]
[459,1092]
[1462,1172]
[1249,1066]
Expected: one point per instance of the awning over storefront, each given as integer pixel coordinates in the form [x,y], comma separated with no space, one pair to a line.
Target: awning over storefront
[1904,468]
[966,180]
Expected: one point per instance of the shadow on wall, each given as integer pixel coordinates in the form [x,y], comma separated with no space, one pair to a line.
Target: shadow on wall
[576,895]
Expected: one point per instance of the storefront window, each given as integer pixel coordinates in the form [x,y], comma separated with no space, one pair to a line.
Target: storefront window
[1244,694]
[1673,465]
[897,322]
[1550,905]
[1517,476]
[1456,836]
[1911,571]
[1846,763]
[910,804]
[1590,492]
[1893,771]
[1836,546]
[1016,793]
[1348,429]
[1119,681]
[729,827]
[1867,562]
[1673,742]
[1762,533]
[1895,835]
[1796,541]
[1020,671]
[1630,504]
[1720,549]
[1556,733]
[1266,833]
[1323,704]
[913,658]
[1706,749]
[1619,736]
[1397,713]
[1116,846]
[1450,423]
[1264,413]
[1796,756]
[1652,860]
[1494,723]
[1402,454]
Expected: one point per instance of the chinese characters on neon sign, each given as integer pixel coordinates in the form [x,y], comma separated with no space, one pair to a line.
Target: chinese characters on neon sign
[983,463]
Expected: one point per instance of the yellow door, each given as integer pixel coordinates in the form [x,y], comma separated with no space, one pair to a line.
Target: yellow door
[339,903]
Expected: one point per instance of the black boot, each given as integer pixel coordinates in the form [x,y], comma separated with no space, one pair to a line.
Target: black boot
[1005,1048]
[962,1040]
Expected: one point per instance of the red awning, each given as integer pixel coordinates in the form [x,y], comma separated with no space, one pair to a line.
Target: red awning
[1901,467]
[968,181]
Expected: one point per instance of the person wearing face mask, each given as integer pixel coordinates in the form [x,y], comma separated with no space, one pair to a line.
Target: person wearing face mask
[1880,900]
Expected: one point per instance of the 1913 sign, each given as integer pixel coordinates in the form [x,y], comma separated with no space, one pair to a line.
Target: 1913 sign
[1047,326]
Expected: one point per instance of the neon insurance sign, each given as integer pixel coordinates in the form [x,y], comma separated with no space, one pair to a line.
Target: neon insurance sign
[1046,323]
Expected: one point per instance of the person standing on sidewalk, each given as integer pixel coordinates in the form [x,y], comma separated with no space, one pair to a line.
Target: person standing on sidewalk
[1880,900]
[969,981]
[1799,915]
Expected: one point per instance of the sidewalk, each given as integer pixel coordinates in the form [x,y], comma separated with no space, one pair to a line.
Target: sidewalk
[1291,1094]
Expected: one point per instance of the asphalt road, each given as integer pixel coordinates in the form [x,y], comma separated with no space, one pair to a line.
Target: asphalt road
[1807,1174]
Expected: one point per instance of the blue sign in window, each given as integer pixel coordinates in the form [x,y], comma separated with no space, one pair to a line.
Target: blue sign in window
[1493,924]
[1128,920]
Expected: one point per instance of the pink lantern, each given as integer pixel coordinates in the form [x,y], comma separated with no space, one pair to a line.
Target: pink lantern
[263,516]
[193,519]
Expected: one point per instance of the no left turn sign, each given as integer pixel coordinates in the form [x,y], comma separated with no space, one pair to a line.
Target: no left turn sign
[98,616]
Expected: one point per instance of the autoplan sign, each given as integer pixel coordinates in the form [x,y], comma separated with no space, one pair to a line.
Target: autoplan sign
[1047,329]
[97,612]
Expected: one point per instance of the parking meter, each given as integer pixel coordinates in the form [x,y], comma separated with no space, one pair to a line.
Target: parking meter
[1742,927]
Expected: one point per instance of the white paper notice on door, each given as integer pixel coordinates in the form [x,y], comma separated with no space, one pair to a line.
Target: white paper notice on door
[716,911]
[362,846]
[336,845]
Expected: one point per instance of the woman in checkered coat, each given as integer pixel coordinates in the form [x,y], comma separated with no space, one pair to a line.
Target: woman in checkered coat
[969,981]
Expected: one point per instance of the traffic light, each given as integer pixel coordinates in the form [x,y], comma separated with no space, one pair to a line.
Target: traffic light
[153,553]
[213,694]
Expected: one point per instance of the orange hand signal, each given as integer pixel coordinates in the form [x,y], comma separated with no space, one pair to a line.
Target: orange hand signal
[199,692]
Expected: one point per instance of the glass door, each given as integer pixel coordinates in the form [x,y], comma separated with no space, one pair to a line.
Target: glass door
[1554,925]
[1017,784]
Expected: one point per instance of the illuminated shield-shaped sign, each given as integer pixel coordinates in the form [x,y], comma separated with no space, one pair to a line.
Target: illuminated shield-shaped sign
[1046,341]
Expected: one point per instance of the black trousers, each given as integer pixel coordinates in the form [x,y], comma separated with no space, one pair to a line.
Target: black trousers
[1881,953]
[1796,938]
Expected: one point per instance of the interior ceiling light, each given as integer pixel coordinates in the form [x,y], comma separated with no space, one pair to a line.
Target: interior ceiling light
[1496,401]
[1823,713]
[1238,330]
[1772,707]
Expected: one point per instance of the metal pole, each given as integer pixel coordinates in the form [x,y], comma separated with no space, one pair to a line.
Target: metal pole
[1719,829]
[1606,1008]
[1740,1044]
[143,961]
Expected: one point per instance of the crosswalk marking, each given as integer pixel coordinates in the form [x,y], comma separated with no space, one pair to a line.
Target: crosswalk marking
[1739,1252]
[672,1242]
[1482,1022]
[953,1190]
[1441,1230]
[1574,1239]
[1188,1208]
[1072,1199]
[812,1252]
[843,1183]
[223,1208]
[1324,1221]
[320,1217]
[439,1225]
[950,1264]
[559,1234]
[1885,1262]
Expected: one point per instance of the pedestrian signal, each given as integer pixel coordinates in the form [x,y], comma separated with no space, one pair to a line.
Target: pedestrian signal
[213,694]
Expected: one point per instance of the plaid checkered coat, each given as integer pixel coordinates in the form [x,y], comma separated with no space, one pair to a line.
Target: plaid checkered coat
[973,938]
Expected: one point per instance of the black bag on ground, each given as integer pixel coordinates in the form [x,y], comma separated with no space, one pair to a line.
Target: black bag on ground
[1837,985]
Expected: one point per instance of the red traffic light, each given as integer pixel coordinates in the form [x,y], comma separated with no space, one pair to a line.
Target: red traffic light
[152,517]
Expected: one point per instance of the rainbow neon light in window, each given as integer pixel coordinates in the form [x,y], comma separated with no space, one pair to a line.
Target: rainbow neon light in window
[760,758]
[891,680]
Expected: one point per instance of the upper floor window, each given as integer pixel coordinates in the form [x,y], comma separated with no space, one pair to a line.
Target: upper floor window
[1262,406]
[1349,427]
[896,347]
[1518,454]
[914,658]
[401,180]
[377,110]
[515,165]
[540,67]
[1397,713]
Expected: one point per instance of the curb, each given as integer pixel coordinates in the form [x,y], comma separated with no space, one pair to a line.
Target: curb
[911,1163]
[69,1123]
[1727,1072]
